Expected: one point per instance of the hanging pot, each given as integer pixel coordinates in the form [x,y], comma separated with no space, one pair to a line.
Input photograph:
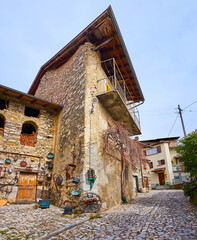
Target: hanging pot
[49,175]
[59,180]
[50,155]
[50,166]
[76,180]
[8,161]
[23,163]
[1,162]
[9,170]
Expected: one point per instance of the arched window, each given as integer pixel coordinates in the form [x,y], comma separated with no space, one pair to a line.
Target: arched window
[2,124]
[29,134]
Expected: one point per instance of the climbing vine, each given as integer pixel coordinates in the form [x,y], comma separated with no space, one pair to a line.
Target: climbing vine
[117,138]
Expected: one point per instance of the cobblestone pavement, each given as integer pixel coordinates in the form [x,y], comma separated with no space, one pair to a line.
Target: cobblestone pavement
[162,214]
[26,222]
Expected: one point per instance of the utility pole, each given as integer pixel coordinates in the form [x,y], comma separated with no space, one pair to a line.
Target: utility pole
[180,113]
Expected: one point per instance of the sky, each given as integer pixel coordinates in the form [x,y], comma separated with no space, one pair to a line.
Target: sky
[160,36]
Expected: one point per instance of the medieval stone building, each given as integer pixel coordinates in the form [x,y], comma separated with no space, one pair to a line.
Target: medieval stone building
[79,94]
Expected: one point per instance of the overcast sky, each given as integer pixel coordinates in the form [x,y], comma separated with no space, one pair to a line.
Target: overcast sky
[160,35]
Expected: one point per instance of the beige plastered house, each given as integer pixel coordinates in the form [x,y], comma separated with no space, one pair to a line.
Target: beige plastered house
[165,167]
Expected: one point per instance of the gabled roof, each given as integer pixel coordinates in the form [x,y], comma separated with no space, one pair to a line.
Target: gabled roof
[105,34]
[152,142]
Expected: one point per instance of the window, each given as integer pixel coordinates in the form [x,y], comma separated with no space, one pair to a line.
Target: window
[154,150]
[31,112]
[3,104]
[161,162]
[2,123]
[28,134]
[151,164]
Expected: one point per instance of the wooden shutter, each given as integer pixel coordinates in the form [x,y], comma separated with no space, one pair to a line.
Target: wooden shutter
[158,149]
[162,162]
[151,164]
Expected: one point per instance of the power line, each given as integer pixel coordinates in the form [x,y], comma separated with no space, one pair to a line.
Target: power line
[173,124]
[190,105]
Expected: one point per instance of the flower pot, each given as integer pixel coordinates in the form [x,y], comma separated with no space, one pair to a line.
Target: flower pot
[76,180]
[44,203]
[37,206]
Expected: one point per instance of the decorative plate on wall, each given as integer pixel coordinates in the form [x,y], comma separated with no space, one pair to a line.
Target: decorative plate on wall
[23,163]
[50,155]
[8,160]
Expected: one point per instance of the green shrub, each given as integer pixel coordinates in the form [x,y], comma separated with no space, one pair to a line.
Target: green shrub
[190,187]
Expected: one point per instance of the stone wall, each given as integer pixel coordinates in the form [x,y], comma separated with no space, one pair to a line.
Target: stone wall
[74,85]
[66,86]
[10,146]
[108,168]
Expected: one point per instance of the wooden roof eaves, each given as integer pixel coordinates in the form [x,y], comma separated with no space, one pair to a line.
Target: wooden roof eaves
[57,59]
[125,49]
[32,99]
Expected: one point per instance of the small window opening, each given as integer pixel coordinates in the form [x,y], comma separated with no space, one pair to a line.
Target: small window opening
[28,128]
[2,123]
[28,135]
[31,112]
[3,104]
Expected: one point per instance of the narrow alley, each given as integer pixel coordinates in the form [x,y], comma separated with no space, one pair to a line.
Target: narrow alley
[164,214]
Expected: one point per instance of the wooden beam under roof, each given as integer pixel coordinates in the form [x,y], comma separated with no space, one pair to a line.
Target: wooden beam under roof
[101,45]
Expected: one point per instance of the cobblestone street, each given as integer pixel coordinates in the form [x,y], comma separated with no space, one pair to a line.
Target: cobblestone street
[162,214]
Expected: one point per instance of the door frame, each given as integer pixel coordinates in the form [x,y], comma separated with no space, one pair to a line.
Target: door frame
[137,182]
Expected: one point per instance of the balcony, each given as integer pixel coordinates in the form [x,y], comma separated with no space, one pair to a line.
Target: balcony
[115,96]
[178,168]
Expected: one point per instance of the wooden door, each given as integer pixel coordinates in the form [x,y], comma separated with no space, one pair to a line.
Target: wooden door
[27,187]
[146,182]
[161,178]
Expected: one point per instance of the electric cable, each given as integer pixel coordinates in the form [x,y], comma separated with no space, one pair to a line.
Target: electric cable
[173,124]
[189,105]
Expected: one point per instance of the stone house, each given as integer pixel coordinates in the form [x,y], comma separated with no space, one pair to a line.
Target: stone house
[28,131]
[164,163]
[92,84]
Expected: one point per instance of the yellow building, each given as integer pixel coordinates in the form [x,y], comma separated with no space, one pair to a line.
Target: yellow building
[165,167]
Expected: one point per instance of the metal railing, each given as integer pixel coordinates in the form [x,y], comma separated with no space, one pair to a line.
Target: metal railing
[115,81]
[176,168]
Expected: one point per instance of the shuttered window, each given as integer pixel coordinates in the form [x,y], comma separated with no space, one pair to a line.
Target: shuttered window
[154,150]
[161,162]
[151,164]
